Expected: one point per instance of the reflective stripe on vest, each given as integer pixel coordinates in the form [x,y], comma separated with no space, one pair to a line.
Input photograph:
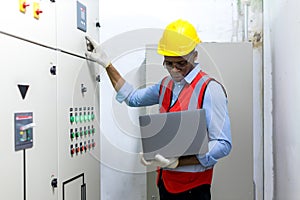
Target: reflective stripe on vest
[196,100]
[163,88]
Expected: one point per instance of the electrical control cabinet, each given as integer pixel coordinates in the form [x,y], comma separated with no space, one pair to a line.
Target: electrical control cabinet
[28,171]
[79,131]
[50,142]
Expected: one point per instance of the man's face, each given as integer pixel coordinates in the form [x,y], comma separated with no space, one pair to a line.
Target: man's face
[179,66]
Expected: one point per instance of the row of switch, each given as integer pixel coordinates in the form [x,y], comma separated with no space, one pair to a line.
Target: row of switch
[76,133]
[81,114]
[82,147]
[80,118]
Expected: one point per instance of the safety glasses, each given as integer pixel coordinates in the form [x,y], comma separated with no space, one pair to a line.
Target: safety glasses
[179,65]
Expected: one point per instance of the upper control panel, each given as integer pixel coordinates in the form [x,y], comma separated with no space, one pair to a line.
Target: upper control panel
[50,24]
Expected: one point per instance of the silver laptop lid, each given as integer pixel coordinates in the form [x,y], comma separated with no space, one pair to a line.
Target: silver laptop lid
[174,134]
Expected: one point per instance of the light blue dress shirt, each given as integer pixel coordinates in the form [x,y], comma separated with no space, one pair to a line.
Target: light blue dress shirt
[215,105]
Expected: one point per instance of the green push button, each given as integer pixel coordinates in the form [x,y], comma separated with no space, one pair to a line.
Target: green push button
[77,119]
[72,119]
[77,134]
[93,116]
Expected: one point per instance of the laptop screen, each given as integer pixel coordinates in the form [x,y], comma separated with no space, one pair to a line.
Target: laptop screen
[174,134]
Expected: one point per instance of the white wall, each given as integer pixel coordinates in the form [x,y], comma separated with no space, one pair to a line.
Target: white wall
[284,31]
[126,26]
[212,18]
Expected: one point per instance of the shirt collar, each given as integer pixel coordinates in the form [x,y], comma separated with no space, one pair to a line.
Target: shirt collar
[190,77]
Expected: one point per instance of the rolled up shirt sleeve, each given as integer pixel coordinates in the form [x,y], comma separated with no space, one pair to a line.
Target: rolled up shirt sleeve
[124,92]
[138,97]
[218,123]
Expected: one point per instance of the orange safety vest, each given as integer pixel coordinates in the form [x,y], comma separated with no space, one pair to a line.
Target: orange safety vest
[190,98]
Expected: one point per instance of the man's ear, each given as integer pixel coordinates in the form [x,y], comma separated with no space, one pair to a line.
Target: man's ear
[195,56]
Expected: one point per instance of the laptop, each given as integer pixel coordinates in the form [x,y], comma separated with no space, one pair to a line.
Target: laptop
[174,134]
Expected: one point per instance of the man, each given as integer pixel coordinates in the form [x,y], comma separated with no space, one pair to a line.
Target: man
[187,87]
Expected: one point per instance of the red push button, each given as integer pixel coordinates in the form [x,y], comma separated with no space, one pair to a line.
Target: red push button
[72,151]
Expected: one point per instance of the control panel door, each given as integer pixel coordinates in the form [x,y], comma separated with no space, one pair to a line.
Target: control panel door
[28,142]
[78,128]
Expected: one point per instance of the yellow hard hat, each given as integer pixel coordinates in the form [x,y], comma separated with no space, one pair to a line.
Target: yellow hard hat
[179,39]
